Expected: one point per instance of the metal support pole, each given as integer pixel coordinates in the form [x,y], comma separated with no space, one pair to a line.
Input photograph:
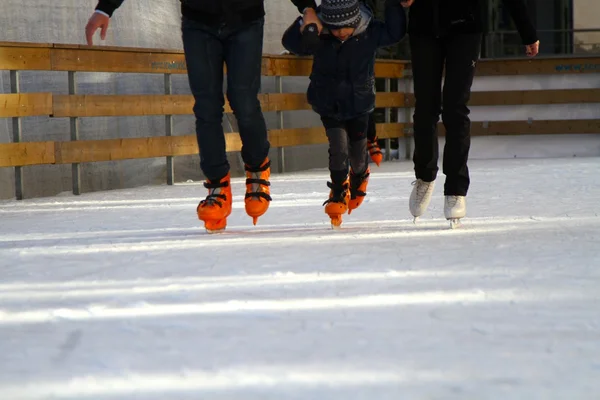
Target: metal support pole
[16,131]
[388,141]
[169,132]
[74,129]
[408,141]
[280,150]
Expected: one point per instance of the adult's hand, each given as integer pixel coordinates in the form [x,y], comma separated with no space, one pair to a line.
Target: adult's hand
[406,3]
[310,17]
[532,49]
[96,21]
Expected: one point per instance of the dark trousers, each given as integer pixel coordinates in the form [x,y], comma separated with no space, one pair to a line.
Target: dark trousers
[371,128]
[459,53]
[207,49]
[347,145]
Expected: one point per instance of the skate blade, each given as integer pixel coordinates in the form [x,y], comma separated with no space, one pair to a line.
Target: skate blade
[215,226]
[454,223]
[336,222]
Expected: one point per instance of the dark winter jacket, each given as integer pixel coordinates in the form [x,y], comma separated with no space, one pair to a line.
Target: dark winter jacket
[215,11]
[342,81]
[443,17]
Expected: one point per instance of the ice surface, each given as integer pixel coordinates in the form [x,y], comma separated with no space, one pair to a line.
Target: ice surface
[121,294]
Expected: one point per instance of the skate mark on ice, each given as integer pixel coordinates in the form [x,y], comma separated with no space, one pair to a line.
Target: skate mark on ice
[146,310]
[71,342]
[272,377]
[266,228]
[63,290]
[322,238]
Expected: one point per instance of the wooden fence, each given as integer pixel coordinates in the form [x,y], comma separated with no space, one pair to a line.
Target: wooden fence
[72,59]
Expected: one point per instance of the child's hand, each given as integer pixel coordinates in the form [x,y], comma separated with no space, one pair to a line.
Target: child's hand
[310,17]
[532,49]
[406,3]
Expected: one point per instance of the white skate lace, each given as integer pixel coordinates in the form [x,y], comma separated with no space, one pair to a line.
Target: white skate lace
[452,200]
[422,188]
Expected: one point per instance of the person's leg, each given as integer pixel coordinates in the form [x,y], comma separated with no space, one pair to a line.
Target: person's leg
[359,160]
[462,54]
[371,128]
[337,203]
[243,57]
[204,58]
[338,149]
[427,60]
[357,135]
[372,145]
[427,66]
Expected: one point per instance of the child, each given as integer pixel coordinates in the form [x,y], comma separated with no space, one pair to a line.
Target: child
[342,87]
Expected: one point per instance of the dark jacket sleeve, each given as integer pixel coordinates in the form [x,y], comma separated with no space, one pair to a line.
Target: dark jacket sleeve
[109,6]
[520,14]
[302,4]
[292,39]
[394,28]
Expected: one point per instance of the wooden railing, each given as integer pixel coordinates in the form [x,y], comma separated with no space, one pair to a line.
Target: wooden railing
[72,59]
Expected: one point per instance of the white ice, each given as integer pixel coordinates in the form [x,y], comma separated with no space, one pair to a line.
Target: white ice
[122,295]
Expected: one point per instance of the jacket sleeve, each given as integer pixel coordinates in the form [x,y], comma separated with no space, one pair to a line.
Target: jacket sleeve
[108,6]
[302,4]
[292,39]
[520,14]
[394,28]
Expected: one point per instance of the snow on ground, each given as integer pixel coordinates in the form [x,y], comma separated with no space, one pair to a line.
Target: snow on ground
[121,294]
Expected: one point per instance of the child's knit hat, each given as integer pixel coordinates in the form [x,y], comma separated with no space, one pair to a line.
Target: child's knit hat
[338,14]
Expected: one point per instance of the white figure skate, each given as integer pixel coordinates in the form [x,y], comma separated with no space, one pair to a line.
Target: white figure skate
[455,208]
[420,197]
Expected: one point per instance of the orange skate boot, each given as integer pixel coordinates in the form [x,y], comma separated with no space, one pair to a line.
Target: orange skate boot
[258,194]
[375,151]
[215,209]
[358,189]
[337,204]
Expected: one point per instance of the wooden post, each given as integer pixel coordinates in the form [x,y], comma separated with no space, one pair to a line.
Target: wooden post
[169,132]
[74,129]
[16,130]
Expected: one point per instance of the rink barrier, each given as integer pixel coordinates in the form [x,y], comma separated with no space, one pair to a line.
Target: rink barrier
[73,59]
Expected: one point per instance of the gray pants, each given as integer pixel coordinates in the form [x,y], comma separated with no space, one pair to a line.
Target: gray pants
[347,146]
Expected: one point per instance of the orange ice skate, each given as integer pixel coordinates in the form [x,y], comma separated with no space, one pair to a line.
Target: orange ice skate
[358,189]
[337,204]
[375,151]
[258,195]
[215,209]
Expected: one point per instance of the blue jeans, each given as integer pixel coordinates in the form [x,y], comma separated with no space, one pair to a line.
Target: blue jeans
[206,49]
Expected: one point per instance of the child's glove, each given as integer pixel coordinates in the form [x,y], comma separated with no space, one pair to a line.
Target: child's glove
[310,38]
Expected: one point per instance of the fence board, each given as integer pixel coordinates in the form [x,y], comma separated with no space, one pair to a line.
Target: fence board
[527,97]
[25,104]
[139,105]
[24,58]
[538,66]
[26,153]
[96,60]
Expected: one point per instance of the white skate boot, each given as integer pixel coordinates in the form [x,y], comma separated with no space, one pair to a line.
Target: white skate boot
[455,208]
[420,197]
